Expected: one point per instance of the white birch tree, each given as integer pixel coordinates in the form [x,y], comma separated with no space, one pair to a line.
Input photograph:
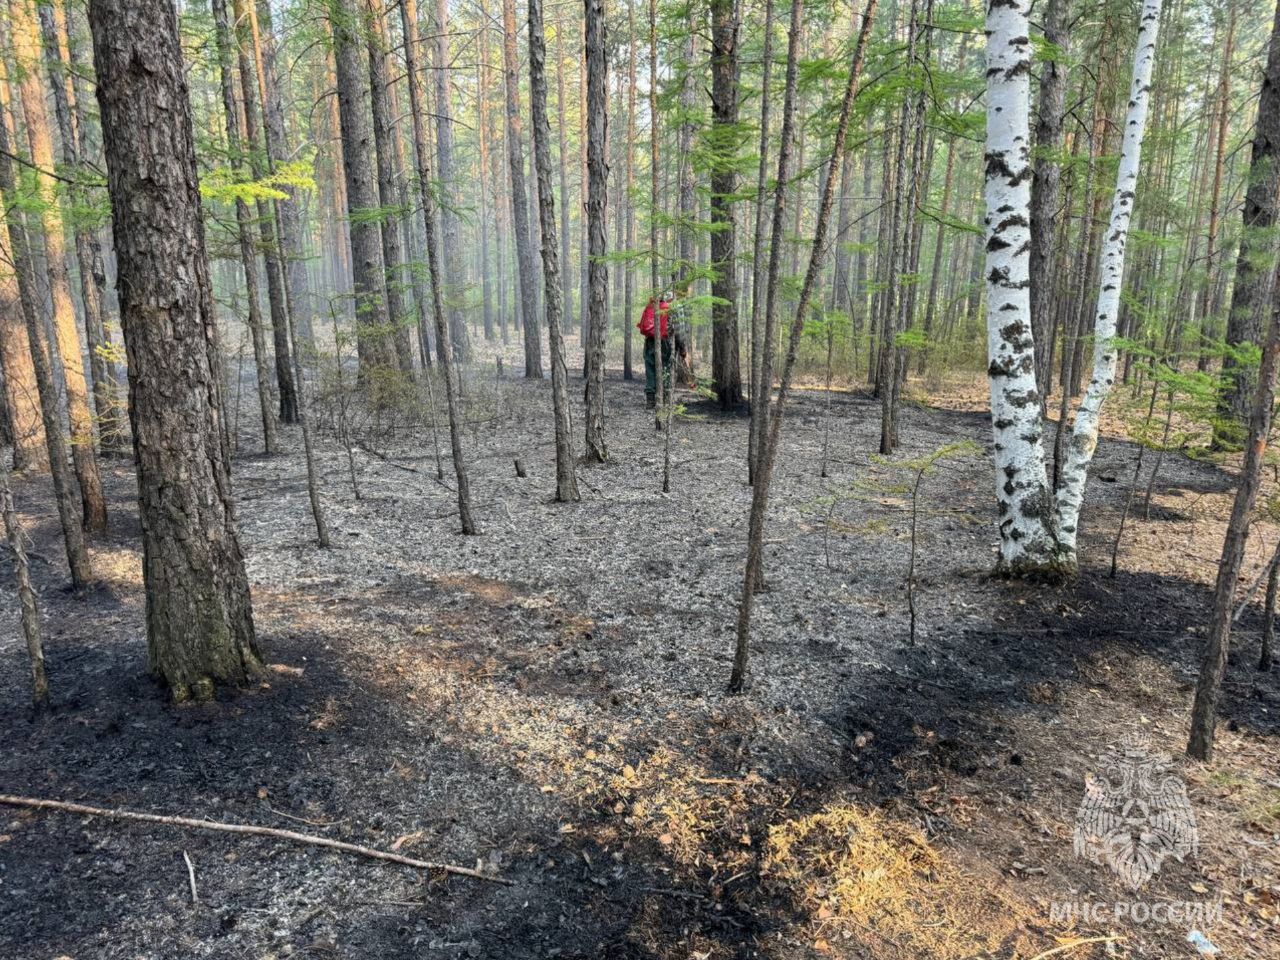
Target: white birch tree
[1037,530]
[1027,541]
[1084,434]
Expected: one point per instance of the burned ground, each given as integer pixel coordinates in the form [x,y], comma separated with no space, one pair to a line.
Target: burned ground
[548,699]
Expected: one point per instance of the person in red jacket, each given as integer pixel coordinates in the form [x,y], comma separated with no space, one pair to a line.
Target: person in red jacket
[646,325]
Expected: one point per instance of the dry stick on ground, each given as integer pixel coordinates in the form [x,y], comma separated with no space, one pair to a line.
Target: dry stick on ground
[769,448]
[34,803]
[191,877]
[1063,948]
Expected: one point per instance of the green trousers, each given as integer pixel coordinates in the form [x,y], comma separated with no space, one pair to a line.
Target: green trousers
[651,367]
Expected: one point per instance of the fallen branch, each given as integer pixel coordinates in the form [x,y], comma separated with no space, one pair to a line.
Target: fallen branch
[1247,597]
[1072,944]
[191,877]
[244,828]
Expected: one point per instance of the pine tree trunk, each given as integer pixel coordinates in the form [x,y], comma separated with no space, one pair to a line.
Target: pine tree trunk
[248,255]
[199,620]
[1221,118]
[1027,542]
[482,124]
[271,250]
[422,154]
[387,149]
[726,371]
[1045,182]
[21,396]
[26,51]
[910,130]
[359,166]
[15,249]
[687,250]
[817,256]
[1250,290]
[935,270]
[22,581]
[562,164]
[289,221]
[519,197]
[1204,710]
[597,303]
[88,254]
[760,409]
[1084,434]
[566,481]
[452,260]
[839,299]
[584,240]
[502,213]
[760,393]
[627,199]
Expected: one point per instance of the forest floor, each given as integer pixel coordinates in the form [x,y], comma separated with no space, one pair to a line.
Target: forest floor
[547,700]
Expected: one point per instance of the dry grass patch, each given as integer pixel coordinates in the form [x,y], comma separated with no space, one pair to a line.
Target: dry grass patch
[861,876]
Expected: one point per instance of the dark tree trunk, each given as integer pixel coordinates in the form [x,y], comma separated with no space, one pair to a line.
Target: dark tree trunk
[21,397]
[817,254]
[583,239]
[88,254]
[597,306]
[27,53]
[248,255]
[199,619]
[1045,182]
[289,221]
[1250,293]
[687,236]
[725,364]
[271,250]
[519,197]
[387,149]
[482,124]
[17,538]
[760,408]
[563,164]
[15,250]
[452,260]
[626,200]
[760,392]
[1204,711]
[566,481]
[368,266]
[422,154]
[935,269]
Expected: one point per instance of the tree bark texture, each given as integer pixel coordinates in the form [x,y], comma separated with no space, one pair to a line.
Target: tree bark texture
[1084,433]
[597,305]
[199,618]
[1025,503]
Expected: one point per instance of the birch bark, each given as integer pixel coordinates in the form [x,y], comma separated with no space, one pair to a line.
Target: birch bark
[1084,434]
[1025,504]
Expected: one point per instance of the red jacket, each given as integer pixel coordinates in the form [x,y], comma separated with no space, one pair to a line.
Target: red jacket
[646,320]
